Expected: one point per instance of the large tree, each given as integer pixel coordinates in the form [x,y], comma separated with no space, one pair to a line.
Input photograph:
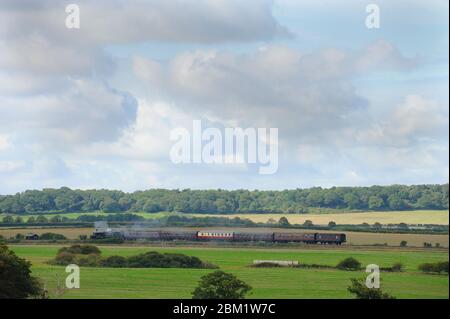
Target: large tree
[16,281]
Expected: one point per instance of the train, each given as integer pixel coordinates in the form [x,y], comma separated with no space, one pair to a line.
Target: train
[231,236]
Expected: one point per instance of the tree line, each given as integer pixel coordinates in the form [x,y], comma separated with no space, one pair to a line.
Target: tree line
[64,200]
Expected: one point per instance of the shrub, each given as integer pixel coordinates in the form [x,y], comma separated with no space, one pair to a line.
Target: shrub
[403,243]
[89,260]
[114,262]
[220,285]
[439,267]
[81,249]
[52,236]
[89,256]
[63,258]
[361,291]
[349,263]
[154,259]
[397,267]
[266,265]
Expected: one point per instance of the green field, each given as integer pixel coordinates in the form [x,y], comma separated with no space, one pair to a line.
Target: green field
[438,217]
[267,283]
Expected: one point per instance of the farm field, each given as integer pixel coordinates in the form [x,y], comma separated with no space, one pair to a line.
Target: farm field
[353,238]
[439,217]
[266,283]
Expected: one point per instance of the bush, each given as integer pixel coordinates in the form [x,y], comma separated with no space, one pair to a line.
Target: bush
[52,236]
[81,249]
[266,265]
[349,263]
[156,260]
[403,243]
[397,267]
[439,267]
[361,291]
[19,236]
[427,245]
[220,285]
[114,262]
[89,260]
[89,256]
[63,258]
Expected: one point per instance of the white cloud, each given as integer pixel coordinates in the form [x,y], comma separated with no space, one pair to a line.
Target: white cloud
[86,112]
[306,96]
[4,142]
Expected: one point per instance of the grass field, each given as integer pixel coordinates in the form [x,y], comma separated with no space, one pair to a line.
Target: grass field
[353,238]
[266,283]
[439,217]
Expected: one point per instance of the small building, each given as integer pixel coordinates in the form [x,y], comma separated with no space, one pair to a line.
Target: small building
[31,236]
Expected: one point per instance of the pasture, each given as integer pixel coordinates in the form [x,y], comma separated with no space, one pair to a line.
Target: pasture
[266,282]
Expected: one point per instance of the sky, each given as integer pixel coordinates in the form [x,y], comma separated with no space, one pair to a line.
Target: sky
[94,107]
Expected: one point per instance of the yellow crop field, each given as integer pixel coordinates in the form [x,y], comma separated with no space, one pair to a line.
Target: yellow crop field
[439,217]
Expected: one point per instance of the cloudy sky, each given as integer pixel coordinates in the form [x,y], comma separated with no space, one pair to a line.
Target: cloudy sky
[94,107]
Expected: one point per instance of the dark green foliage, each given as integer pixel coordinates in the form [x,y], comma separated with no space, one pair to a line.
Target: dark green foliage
[266,265]
[349,263]
[395,197]
[403,243]
[89,256]
[8,219]
[308,223]
[361,291]
[220,285]
[283,222]
[16,281]
[397,267]
[332,224]
[439,267]
[52,236]
[114,262]
[157,260]
[80,249]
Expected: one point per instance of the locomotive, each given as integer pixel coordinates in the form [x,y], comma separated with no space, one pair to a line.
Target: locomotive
[158,235]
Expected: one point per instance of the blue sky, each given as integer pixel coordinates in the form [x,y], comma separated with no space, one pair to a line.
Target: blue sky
[94,107]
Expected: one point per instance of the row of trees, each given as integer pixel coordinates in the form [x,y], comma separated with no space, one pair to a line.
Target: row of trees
[396,197]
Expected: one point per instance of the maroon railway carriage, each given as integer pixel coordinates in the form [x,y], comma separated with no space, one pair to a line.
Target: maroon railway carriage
[330,238]
[308,238]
